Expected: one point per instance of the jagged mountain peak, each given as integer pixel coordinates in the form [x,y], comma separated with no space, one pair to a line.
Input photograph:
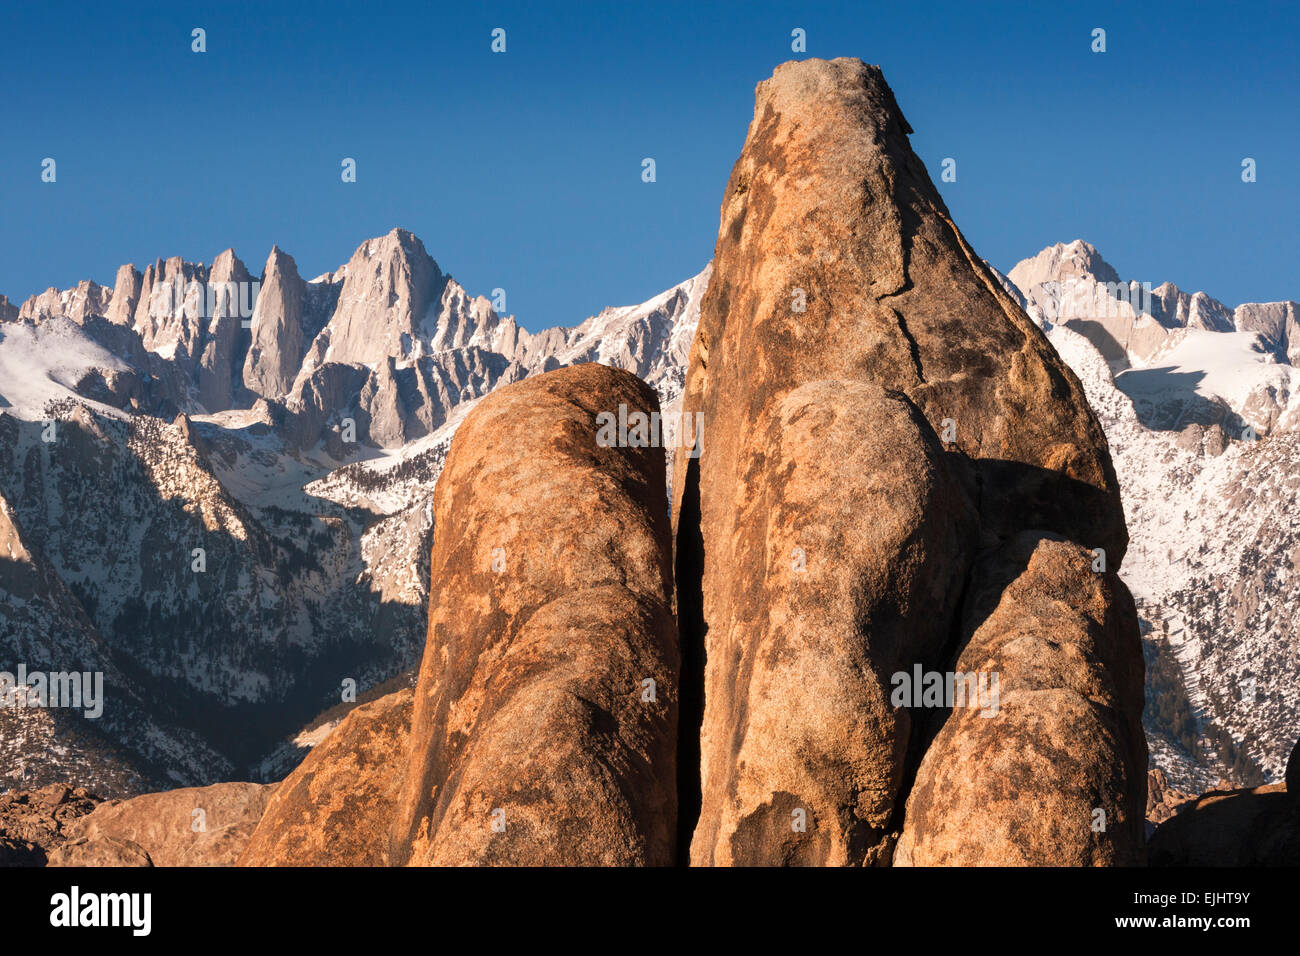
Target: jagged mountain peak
[87,298]
[1063,260]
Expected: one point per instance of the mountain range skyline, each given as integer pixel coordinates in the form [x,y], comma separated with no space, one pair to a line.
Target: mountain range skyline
[277,250]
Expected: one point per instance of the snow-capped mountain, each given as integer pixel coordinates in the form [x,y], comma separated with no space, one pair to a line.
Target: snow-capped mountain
[216,491]
[1198,404]
[1181,358]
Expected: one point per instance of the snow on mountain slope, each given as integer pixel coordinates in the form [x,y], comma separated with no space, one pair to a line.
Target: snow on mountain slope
[1232,378]
[1214,534]
[122,743]
[44,362]
[1200,360]
[651,340]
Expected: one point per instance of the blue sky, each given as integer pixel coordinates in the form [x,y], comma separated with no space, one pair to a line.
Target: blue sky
[523,170]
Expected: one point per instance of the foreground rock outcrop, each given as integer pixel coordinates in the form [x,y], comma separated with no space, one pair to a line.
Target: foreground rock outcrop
[336,806]
[844,575]
[192,826]
[1048,777]
[543,726]
[35,823]
[823,543]
[545,718]
[1254,827]
[896,538]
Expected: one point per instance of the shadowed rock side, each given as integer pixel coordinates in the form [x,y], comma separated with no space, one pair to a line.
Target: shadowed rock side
[837,263]
[192,826]
[1259,827]
[1021,783]
[536,739]
[336,806]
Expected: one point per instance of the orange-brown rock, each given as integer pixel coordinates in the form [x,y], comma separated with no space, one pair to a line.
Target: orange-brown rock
[1259,827]
[1041,772]
[335,808]
[837,259]
[104,851]
[837,263]
[849,563]
[537,737]
[192,826]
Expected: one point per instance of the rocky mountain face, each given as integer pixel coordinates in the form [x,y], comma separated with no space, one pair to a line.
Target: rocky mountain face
[280,336]
[1183,359]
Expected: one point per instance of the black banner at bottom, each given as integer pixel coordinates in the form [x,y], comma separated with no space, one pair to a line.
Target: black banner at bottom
[595,907]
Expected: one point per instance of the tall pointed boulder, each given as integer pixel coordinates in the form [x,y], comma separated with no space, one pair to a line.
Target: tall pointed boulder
[877,412]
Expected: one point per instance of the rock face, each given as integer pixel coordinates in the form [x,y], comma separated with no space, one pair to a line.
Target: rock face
[1163,801]
[545,717]
[106,851]
[845,574]
[87,299]
[1277,322]
[336,806]
[848,320]
[79,304]
[1071,284]
[225,341]
[35,823]
[277,330]
[126,295]
[192,826]
[396,302]
[1045,777]
[169,313]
